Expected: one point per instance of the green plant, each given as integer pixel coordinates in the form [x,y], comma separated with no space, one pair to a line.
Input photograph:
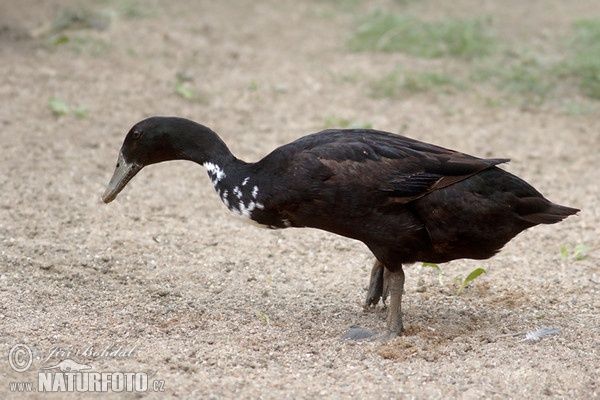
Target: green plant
[264,317]
[528,77]
[522,77]
[80,42]
[58,40]
[584,63]
[186,91]
[464,282]
[576,108]
[60,107]
[459,38]
[399,83]
[81,18]
[136,9]
[471,277]
[580,252]
[439,270]
[340,122]
[80,112]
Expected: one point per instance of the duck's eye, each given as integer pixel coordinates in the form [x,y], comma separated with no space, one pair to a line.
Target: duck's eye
[136,135]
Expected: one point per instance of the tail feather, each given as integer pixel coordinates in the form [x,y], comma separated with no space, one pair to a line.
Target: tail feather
[538,210]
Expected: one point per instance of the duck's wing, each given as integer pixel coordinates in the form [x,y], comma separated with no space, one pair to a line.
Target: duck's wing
[339,175]
[403,169]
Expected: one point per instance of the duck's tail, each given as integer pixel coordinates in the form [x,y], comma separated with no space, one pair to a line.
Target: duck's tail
[538,210]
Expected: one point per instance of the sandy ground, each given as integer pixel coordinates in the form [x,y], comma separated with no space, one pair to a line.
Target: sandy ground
[171,286]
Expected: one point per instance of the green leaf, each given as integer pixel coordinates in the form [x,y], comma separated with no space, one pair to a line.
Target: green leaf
[80,112]
[264,317]
[580,252]
[58,106]
[184,91]
[564,252]
[440,272]
[472,276]
[60,39]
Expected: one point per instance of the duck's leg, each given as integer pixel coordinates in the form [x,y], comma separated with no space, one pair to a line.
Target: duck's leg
[395,284]
[383,283]
[378,285]
[375,291]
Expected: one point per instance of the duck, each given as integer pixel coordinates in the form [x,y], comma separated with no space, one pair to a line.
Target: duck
[408,201]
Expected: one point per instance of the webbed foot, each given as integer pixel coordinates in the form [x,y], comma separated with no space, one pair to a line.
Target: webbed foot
[378,287]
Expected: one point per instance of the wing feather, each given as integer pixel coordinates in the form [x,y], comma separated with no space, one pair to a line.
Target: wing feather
[402,168]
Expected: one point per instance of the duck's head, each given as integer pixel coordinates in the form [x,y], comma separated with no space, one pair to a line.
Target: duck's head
[159,139]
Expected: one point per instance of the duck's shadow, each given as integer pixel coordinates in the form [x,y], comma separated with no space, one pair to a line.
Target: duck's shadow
[442,321]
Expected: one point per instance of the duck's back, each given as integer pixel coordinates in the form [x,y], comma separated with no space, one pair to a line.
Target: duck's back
[427,202]
[477,216]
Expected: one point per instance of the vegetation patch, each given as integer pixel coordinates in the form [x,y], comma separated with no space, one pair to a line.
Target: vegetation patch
[401,83]
[461,38]
[584,62]
[525,77]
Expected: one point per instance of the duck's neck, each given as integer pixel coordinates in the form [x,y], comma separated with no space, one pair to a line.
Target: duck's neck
[237,187]
[204,148]
[232,179]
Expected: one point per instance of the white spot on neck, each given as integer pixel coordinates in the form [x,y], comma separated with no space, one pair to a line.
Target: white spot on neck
[215,172]
[225,199]
[246,210]
[237,191]
[240,207]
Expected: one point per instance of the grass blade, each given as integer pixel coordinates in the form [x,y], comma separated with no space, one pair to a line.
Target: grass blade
[472,276]
[440,272]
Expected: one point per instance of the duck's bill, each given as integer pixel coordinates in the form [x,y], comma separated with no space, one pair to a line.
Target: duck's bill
[122,175]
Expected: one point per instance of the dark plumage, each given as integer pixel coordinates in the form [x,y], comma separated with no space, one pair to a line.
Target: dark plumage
[406,200]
